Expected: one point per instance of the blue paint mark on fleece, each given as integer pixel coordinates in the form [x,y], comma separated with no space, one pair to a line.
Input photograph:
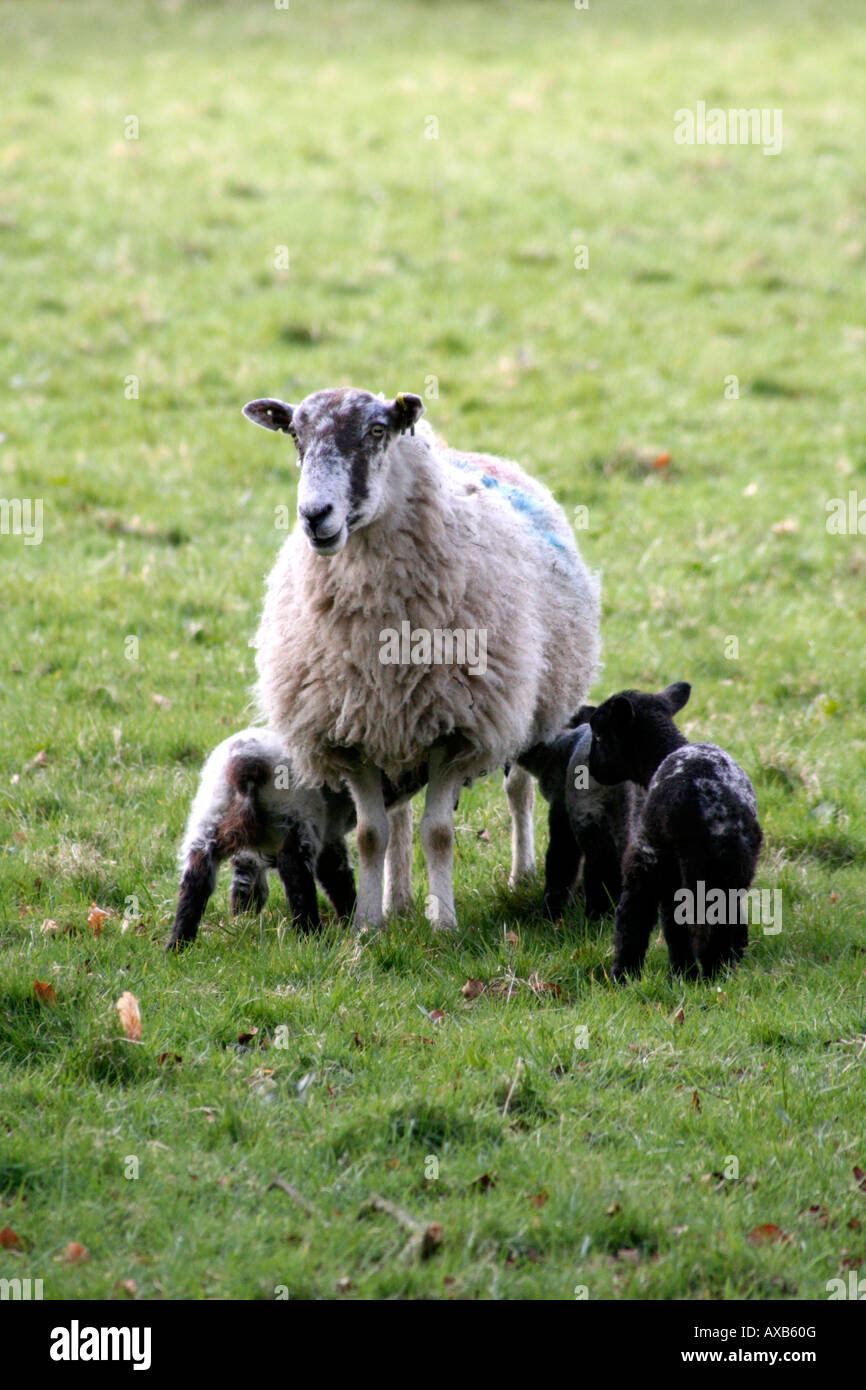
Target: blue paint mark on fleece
[530,508]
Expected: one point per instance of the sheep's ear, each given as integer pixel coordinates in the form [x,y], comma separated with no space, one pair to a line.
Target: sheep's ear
[677,695]
[621,710]
[270,414]
[406,410]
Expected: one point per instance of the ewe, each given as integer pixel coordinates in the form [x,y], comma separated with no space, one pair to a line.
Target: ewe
[427,620]
[696,844]
[250,809]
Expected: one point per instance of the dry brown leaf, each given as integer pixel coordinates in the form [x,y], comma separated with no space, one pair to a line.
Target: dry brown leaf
[763,1235]
[130,1015]
[44,991]
[96,919]
[472,989]
[543,986]
[696,1102]
[8,1238]
[538,1199]
[129,1287]
[49,926]
[512,939]
[437,1017]
[75,1254]
[680,1015]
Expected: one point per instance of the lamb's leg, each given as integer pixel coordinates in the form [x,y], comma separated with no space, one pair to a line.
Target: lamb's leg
[249,891]
[636,912]
[437,837]
[520,791]
[295,859]
[398,860]
[334,872]
[373,832]
[196,886]
[602,875]
[561,862]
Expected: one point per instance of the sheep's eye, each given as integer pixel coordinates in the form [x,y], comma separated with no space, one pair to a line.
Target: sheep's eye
[377,431]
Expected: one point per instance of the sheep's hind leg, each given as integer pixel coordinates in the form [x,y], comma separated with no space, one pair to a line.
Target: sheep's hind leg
[520,792]
[196,886]
[295,867]
[249,891]
[437,837]
[373,834]
[398,860]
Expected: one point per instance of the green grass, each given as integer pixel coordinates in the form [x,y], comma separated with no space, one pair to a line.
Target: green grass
[413,259]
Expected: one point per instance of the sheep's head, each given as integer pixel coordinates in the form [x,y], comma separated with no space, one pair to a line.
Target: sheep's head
[630,731]
[343,439]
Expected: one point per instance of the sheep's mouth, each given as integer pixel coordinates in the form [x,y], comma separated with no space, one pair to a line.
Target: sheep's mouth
[328,545]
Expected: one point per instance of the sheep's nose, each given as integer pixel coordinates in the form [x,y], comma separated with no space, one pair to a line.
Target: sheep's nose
[312,517]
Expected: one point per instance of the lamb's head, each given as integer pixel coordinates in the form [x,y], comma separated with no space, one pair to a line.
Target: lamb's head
[631,732]
[344,440]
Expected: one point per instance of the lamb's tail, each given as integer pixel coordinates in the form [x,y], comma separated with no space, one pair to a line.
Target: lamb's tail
[244,824]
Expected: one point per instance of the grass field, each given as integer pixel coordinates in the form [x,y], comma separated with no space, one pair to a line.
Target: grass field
[577,1138]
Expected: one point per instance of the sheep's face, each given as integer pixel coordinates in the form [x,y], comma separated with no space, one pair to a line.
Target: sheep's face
[625,730]
[344,440]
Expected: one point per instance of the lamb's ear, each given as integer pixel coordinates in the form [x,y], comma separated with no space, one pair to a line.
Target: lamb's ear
[270,414]
[583,716]
[677,695]
[620,711]
[406,410]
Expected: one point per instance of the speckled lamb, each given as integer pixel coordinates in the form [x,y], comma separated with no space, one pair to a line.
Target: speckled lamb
[697,840]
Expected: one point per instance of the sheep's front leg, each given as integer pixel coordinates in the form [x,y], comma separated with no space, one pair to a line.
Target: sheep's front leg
[398,860]
[636,911]
[520,791]
[196,887]
[437,838]
[373,833]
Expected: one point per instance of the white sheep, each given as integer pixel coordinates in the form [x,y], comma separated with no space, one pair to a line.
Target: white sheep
[250,808]
[429,618]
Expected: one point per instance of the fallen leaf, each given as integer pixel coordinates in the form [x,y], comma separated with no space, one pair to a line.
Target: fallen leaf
[860,1177]
[358,1040]
[244,1038]
[129,1287]
[662,460]
[8,1238]
[161,701]
[786,527]
[44,991]
[96,919]
[344,1284]
[680,1015]
[483,835]
[472,989]
[75,1254]
[484,1181]
[613,1209]
[696,1102]
[130,1015]
[627,1253]
[49,925]
[543,986]
[437,1017]
[169,1059]
[538,1199]
[763,1235]
[512,939]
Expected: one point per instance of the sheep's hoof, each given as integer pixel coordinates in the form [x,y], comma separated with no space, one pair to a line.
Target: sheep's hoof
[523,878]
